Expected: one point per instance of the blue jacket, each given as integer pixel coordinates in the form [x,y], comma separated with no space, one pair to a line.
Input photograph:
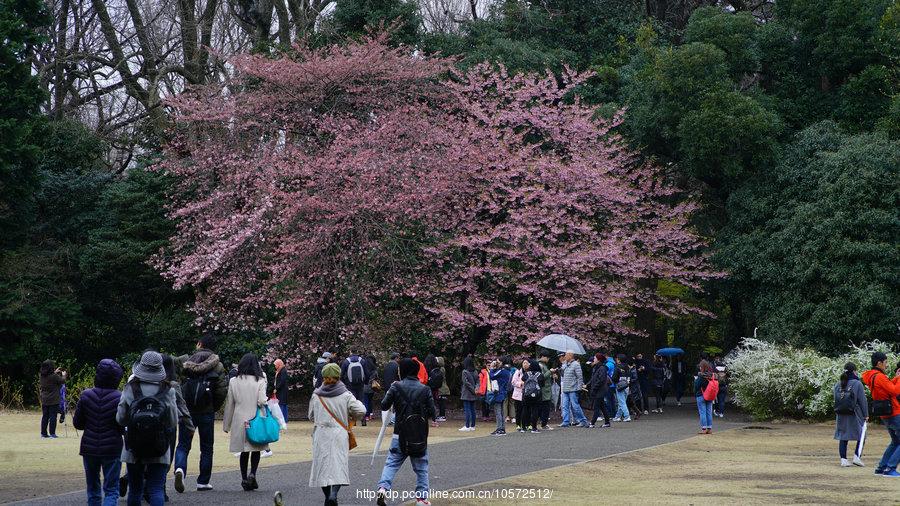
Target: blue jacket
[610,366]
[503,377]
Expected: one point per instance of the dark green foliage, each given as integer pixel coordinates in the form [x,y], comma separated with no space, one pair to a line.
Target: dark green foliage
[734,34]
[812,243]
[356,18]
[20,100]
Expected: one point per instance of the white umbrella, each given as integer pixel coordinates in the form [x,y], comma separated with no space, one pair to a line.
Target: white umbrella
[385,420]
[562,342]
[862,440]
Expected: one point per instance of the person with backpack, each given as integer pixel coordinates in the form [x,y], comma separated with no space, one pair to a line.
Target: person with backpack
[496,394]
[546,390]
[101,440]
[51,379]
[435,380]
[148,411]
[532,381]
[413,405]
[885,406]
[705,398]
[622,380]
[332,409]
[659,374]
[599,385]
[246,397]
[204,388]
[468,393]
[518,383]
[571,383]
[355,373]
[852,411]
[326,358]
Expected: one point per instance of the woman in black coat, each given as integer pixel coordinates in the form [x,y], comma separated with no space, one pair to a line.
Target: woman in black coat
[52,378]
[599,385]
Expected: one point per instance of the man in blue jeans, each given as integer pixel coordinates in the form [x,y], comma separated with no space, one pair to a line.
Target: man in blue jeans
[883,389]
[205,387]
[408,397]
[571,381]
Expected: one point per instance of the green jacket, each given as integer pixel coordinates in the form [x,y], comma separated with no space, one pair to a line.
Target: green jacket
[548,382]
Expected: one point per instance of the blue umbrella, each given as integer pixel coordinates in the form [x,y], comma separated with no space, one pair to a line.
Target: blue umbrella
[669,352]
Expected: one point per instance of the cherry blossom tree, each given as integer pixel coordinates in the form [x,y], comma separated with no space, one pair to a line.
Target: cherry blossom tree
[363,193]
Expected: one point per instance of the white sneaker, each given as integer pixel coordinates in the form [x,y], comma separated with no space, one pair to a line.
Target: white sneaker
[617,419]
[845,463]
[464,429]
[266,453]
[646,412]
[204,487]
[471,429]
[627,419]
[857,461]
[238,454]
[179,480]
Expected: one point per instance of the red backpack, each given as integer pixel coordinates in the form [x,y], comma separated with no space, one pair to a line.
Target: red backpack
[712,389]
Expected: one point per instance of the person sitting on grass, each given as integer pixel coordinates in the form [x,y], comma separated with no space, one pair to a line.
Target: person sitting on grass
[884,397]
[852,412]
[101,442]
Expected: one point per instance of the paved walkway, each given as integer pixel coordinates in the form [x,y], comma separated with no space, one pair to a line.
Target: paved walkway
[453,464]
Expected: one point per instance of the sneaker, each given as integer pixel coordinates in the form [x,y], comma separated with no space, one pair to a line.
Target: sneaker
[891,474]
[265,453]
[179,480]
[278,499]
[583,425]
[43,436]
[442,418]
[471,429]
[617,419]
[546,427]
[380,497]
[203,487]
[646,412]
[501,433]
[591,426]
[535,431]
[423,502]
[238,454]
[605,426]
[659,410]
[679,403]
[564,425]
[513,420]
[857,461]
[879,471]
[845,463]
[123,486]
[53,436]
[464,429]
[627,419]
[494,433]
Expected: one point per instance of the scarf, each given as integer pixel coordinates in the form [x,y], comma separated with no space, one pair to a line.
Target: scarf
[331,390]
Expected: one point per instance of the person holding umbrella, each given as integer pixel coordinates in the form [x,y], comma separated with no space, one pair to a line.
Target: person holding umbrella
[571,383]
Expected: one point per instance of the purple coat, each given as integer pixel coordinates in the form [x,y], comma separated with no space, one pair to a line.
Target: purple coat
[95,413]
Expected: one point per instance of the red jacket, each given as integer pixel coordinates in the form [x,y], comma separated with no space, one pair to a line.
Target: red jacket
[883,388]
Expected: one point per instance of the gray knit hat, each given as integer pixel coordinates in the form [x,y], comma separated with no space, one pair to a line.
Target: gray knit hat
[150,368]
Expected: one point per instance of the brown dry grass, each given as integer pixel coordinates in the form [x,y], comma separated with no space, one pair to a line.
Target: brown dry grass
[788,464]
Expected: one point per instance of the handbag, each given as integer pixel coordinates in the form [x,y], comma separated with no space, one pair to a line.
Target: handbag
[881,407]
[351,438]
[262,430]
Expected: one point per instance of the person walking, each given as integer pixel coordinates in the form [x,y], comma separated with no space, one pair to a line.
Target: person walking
[246,395]
[392,370]
[148,410]
[468,393]
[332,408]
[414,405]
[533,380]
[326,358]
[621,379]
[599,385]
[852,411]
[517,384]
[642,369]
[101,439]
[678,377]
[704,407]
[355,373]
[610,401]
[546,390]
[204,388]
[185,422]
[501,375]
[572,380]
[884,405]
[282,380]
[372,385]
[51,379]
[659,374]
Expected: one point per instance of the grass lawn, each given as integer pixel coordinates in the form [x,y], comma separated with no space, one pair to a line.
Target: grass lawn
[33,467]
[790,463]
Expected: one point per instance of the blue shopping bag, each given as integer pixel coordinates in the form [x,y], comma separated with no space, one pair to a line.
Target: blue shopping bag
[263,429]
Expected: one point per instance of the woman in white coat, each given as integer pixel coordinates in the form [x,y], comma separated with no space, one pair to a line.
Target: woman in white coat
[246,394]
[331,408]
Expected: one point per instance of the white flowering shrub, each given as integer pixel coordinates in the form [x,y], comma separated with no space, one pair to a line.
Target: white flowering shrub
[778,381]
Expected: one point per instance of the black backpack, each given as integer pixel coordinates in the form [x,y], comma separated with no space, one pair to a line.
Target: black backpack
[435,378]
[532,388]
[149,426]
[412,430]
[198,392]
[844,403]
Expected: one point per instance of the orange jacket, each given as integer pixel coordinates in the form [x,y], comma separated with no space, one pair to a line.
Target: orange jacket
[884,388]
[423,374]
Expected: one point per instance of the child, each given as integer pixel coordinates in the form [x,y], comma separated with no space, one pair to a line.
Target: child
[101,443]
